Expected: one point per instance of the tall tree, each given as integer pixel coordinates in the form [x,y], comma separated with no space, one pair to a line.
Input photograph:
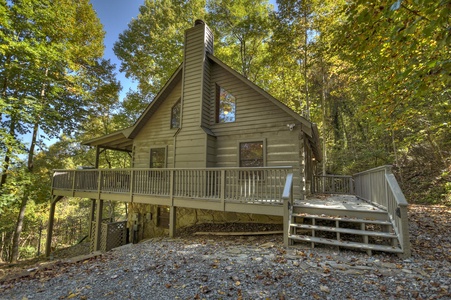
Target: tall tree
[48,46]
[401,49]
[151,47]
[293,41]
[242,32]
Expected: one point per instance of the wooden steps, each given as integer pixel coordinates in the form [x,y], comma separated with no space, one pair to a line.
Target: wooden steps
[324,217]
[375,214]
[354,245]
[368,230]
[345,230]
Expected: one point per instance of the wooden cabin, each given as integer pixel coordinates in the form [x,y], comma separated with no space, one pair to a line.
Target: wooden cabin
[209,117]
[212,146]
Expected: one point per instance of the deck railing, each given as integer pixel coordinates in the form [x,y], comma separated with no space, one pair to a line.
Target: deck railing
[379,187]
[333,184]
[250,185]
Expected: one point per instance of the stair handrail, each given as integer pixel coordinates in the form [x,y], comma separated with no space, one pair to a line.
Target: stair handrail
[287,198]
[380,187]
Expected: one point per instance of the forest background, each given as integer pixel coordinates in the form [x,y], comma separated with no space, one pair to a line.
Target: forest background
[375,77]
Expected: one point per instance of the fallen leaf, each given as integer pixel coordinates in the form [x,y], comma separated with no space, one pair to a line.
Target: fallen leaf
[324,289]
[72,295]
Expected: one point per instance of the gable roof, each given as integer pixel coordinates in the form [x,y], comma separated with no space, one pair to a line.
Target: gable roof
[159,98]
[307,125]
[123,140]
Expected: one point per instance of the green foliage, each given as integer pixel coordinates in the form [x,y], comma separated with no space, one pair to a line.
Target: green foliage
[151,48]
[374,76]
[47,48]
[242,31]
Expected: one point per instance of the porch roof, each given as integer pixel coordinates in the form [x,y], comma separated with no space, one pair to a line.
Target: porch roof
[114,141]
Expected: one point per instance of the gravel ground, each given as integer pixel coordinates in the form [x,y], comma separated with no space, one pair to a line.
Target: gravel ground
[250,267]
[235,268]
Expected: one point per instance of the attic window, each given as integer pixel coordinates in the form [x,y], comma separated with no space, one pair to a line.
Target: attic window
[175,115]
[225,106]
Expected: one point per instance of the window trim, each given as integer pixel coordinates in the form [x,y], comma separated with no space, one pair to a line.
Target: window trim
[178,102]
[217,104]
[165,156]
[261,140]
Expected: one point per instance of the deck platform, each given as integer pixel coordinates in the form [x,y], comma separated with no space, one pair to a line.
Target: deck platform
[341,202]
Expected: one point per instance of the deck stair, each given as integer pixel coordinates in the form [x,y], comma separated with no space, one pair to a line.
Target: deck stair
[368,230]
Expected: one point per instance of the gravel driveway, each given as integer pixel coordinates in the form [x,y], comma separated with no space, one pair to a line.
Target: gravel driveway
[235,268]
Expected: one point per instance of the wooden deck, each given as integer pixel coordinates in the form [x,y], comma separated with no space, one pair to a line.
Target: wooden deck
[267,191]
[242,190]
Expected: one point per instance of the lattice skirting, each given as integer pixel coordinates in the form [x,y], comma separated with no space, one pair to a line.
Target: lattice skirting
[112,235]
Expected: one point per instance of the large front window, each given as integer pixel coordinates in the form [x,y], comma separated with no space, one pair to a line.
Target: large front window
[225,106]
[252,154]
[158,157]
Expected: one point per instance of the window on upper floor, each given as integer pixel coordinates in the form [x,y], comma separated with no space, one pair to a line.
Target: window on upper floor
[158,158]
[175,115]
[225,106]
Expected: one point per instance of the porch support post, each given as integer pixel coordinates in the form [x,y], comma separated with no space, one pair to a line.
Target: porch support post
[48,242]
[172,220]
[286,221]
[91,216]
[98,231]
[223,182]
[96,164]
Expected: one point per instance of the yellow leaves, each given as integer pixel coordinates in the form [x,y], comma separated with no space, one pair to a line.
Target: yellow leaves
[72,295]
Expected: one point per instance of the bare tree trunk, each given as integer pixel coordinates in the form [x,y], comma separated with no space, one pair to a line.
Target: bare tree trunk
[323,96]
[6,161]
[23,206]
[2,245]
[18,229]
[307,96]
[40,237]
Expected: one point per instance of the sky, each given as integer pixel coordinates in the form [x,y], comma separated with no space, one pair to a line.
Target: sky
[115,16]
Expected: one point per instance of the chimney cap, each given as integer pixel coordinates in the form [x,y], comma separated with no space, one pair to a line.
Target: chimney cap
[199,22]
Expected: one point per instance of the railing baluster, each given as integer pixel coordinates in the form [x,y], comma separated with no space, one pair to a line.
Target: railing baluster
[248,185]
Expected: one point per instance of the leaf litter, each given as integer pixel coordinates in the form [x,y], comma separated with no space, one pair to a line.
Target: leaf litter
[215,267]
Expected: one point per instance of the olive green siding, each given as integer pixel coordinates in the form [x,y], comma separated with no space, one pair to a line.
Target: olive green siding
[191,141]
[201,142]
[156,133]
[256,119]
[207,105]
[211,152]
